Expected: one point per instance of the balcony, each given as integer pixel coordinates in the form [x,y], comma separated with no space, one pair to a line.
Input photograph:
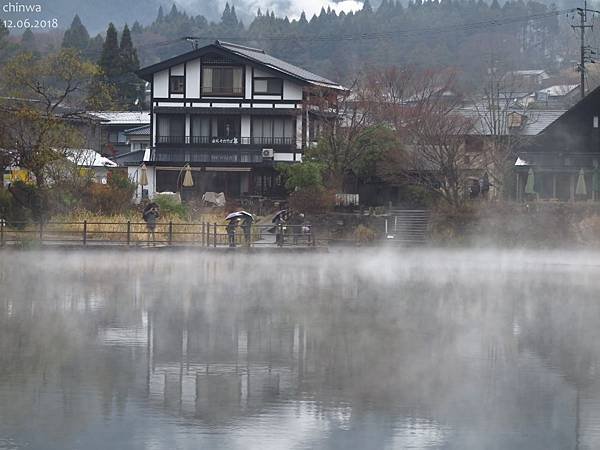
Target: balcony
[228,142]
[206,156]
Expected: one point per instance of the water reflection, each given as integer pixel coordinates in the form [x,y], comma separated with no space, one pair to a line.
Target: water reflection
[418,350]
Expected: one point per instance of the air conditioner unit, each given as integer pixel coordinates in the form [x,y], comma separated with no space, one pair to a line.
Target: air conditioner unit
[267,153]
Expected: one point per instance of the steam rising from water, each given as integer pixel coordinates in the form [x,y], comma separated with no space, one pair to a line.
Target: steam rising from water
[423,349]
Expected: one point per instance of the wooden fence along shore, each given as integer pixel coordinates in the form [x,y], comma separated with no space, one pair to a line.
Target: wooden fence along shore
[203,234]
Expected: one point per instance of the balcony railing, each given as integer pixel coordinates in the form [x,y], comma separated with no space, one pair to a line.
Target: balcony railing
[191,155]
[215,140]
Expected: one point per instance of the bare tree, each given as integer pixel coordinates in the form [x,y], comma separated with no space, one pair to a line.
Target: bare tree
[501,113]
[424,110]
[350,140]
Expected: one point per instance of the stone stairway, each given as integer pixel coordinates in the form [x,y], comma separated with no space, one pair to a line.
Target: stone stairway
[407,226]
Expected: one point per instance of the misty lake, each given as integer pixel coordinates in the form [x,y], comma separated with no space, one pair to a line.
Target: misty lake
[357,350]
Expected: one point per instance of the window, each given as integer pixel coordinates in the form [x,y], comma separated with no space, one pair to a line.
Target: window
[215,130]
[171,129]
[273,130]
[222,80]
[177,84]
[117,137]
[268,86]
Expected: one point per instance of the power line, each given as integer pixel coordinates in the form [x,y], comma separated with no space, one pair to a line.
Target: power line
[586,54]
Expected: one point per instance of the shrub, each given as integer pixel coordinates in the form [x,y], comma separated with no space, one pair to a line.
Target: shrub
[111,198]
[170,204]
[11,211]
[363,234]
[307,174]
[312,200]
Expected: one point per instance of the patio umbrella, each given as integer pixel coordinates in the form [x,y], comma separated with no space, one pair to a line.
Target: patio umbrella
[530,185]
[143,175]
[188,181]
[581,188]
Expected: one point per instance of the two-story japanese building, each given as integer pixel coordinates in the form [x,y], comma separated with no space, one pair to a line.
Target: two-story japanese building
[231,112]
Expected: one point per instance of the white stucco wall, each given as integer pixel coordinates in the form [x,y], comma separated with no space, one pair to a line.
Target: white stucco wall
[133,172]
[291,90]
[192,79]
[161,84]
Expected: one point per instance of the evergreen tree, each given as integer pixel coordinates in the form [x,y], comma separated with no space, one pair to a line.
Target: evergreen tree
[76,36]
[129,86]
[94,49]
[110,60]
[136,28]
[28,41]
[161,15]
[129,58]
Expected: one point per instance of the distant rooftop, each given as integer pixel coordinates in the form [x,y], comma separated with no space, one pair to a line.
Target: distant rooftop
[559,90]
[122,117]
[144,130]
[535,122]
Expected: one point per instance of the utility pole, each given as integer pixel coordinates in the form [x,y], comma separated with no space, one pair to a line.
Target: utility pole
[586,53]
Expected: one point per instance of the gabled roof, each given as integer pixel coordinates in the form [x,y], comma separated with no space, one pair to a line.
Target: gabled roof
[122,117]
[144,130]
[253,55]
[535,122]
[559,90]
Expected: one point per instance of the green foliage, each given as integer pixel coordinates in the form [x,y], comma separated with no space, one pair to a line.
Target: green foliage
[110,59]
[28,41]
[170,205]
[307,174]
[119,63]
[11,211]
[77,36]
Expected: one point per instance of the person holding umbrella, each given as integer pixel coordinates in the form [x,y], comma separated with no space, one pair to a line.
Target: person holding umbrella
[150,215]
[279,219]
[231,226]
[247,220]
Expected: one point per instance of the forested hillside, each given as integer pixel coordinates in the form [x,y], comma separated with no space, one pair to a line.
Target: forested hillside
[470,36]
[467,35]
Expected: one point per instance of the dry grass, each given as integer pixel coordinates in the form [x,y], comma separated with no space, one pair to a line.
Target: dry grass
[114,228]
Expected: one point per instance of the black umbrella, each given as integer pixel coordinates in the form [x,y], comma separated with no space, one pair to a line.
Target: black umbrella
[149,206]
[280,214]
[239,215]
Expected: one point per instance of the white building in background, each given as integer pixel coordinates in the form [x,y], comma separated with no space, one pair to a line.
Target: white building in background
[230,112]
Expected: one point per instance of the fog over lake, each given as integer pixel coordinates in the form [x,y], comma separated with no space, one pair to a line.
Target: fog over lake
[449,349]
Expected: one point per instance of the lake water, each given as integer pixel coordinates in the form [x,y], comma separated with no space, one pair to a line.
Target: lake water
[351,350]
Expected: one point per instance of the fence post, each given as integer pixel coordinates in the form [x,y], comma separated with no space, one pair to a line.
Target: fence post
[41,229]
[85,232]
[128,232]
[215,234]
[1,232]
[202,236]
[170,232]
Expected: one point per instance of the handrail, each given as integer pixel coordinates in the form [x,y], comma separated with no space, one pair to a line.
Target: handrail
[221,140]
[165,233]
